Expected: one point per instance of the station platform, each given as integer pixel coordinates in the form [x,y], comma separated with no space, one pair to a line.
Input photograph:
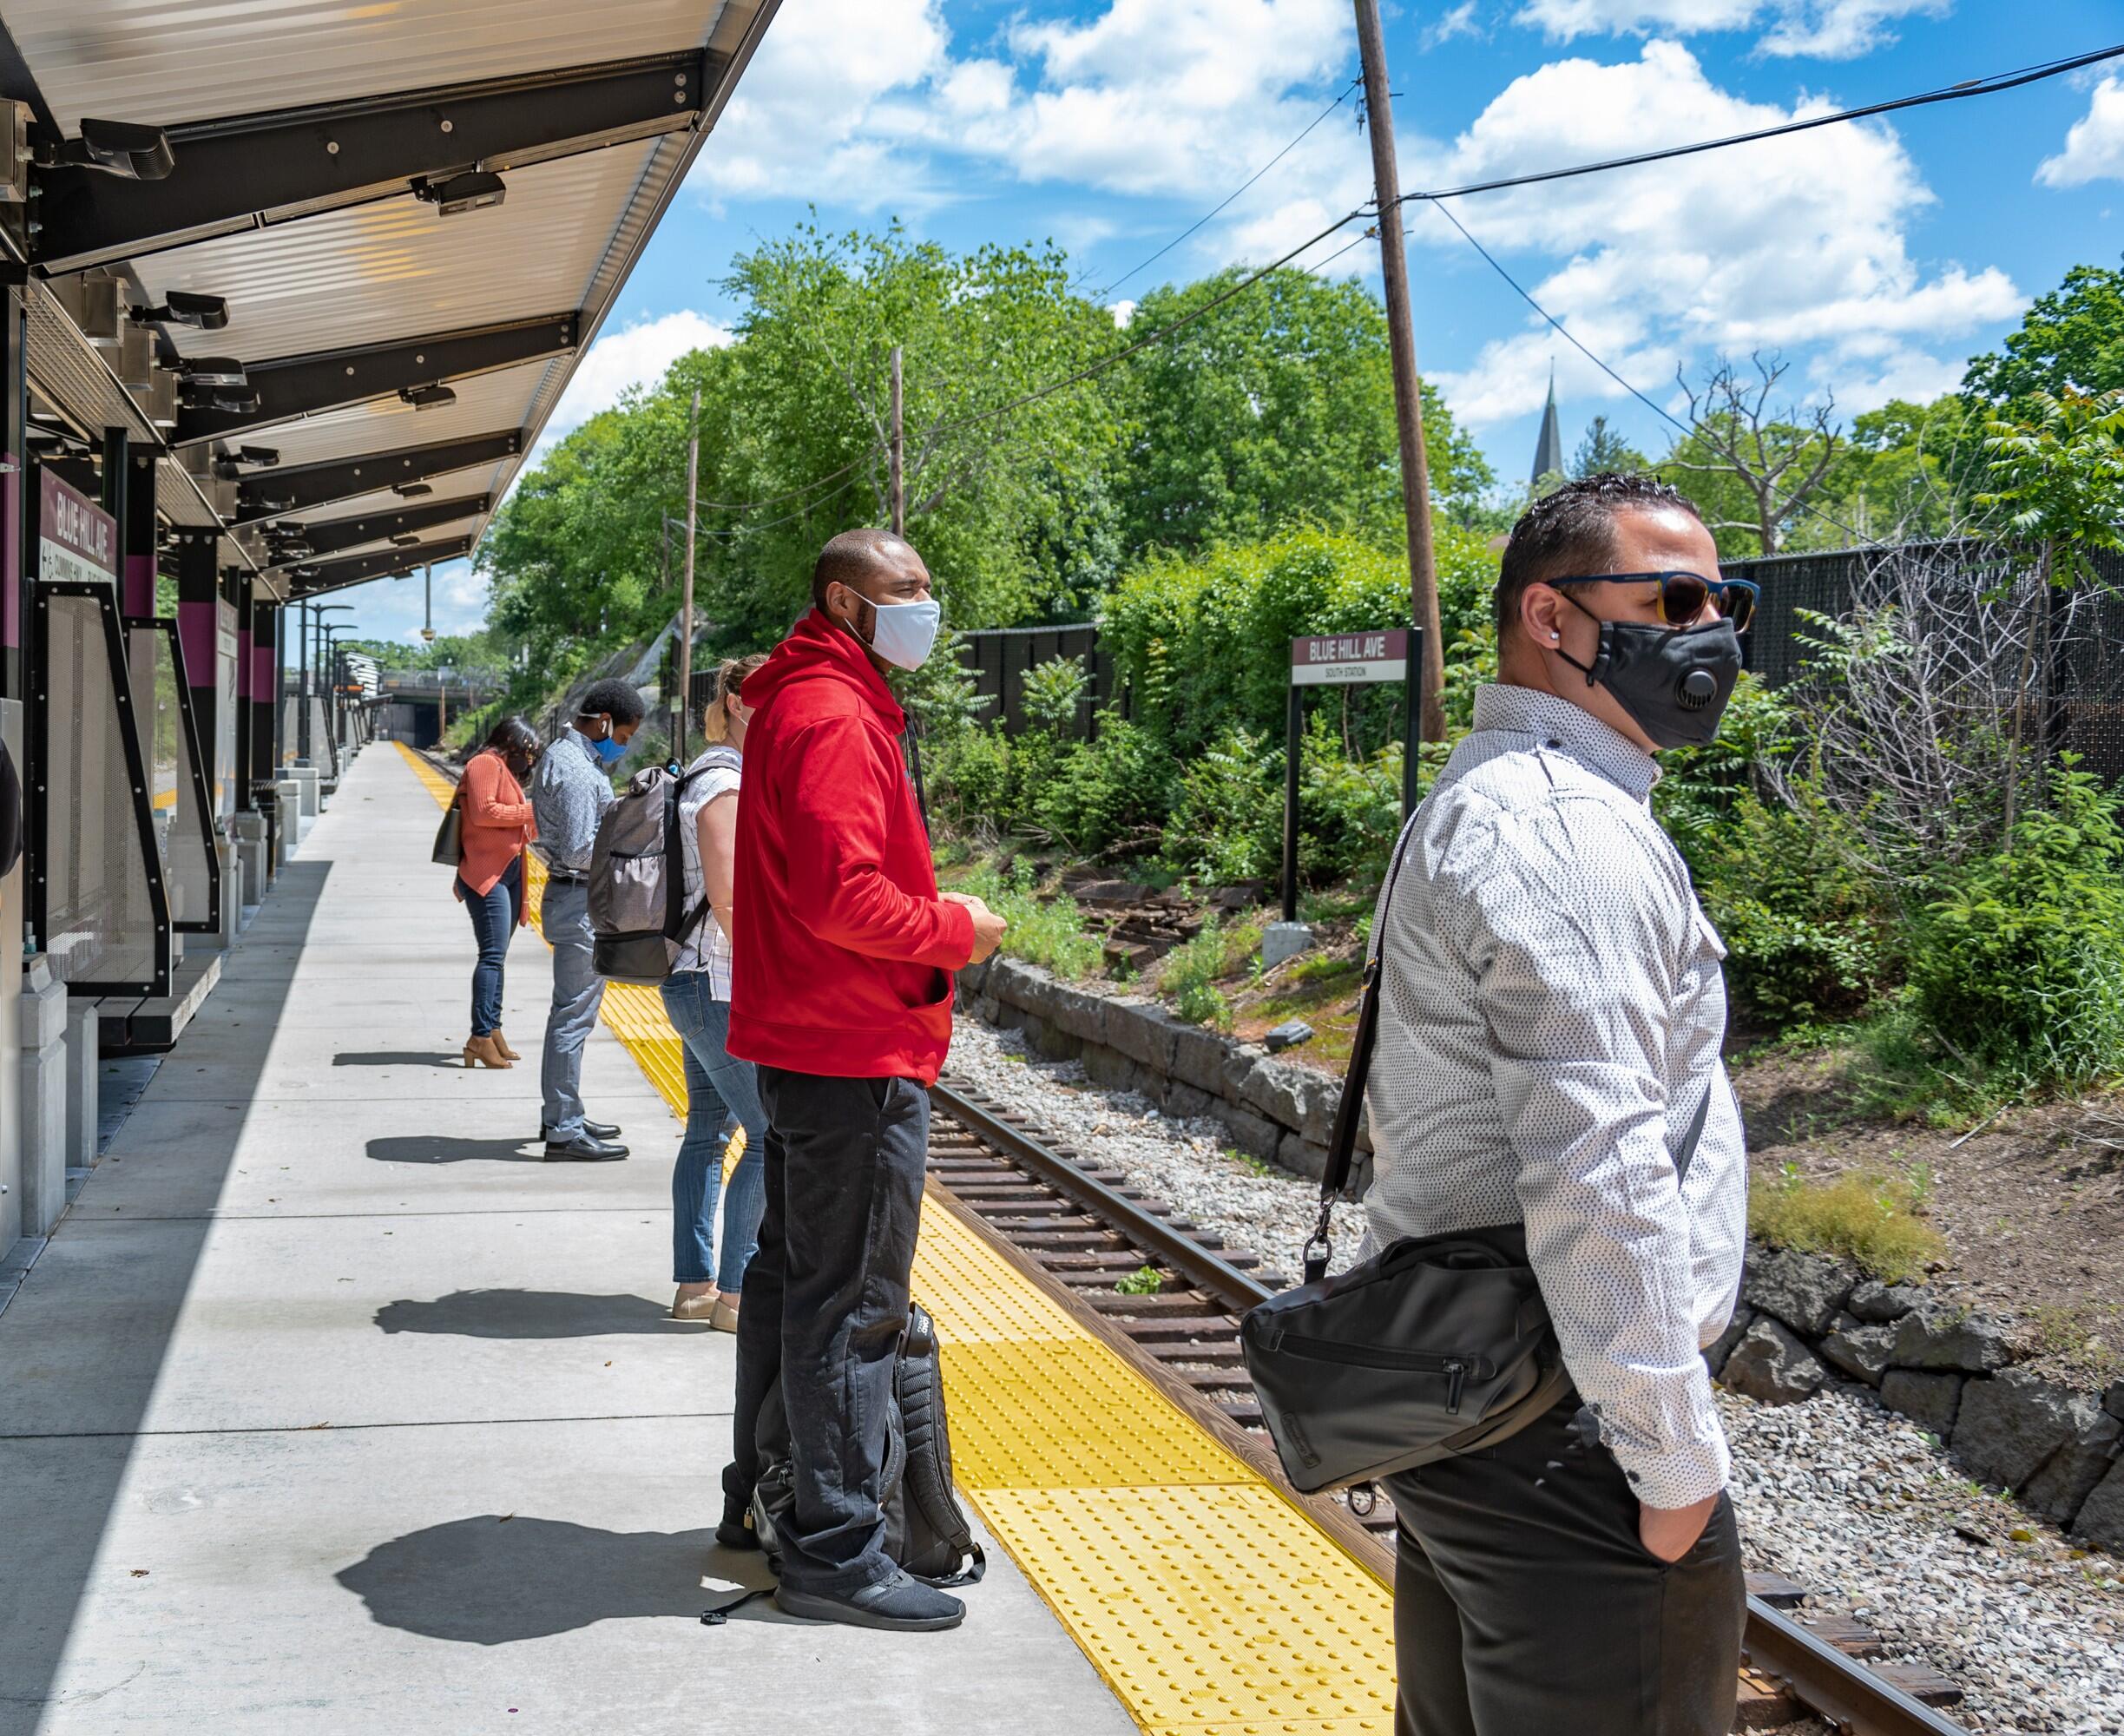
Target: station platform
[330,1408]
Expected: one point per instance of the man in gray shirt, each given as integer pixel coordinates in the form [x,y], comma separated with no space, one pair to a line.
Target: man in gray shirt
[1552,1008]
[569,796]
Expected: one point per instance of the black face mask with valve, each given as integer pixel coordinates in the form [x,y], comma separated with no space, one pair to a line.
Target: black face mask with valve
[1674,681]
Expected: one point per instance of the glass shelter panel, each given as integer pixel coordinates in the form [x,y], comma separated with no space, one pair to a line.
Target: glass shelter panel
[104,923]
[178,808]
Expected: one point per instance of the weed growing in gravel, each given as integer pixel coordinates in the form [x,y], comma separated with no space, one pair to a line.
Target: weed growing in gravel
[1247,1160]
[1143,1281]
[1863,1217]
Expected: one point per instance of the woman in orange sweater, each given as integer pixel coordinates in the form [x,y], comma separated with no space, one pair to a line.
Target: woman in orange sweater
[489,884]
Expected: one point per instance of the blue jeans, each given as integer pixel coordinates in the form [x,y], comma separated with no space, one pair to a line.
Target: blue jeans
[494,925]
[564,919]
[722,1092]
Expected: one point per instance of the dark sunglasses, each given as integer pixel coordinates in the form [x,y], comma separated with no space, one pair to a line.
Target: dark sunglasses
[1682,596]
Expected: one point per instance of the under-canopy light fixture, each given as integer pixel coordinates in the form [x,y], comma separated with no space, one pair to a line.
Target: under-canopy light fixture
[265,455]
[233,400]
[181,307]
[473,191]
[213,371]
[411,490]
[119,147]
[427,396]
[406,540]
[274,502]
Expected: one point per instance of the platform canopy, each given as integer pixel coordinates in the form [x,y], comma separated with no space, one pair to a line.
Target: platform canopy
[416,213]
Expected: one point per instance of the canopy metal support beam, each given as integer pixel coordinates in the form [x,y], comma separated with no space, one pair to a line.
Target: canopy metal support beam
[292,489]
[246,171]
[295,386]
[340,534]
[387,563]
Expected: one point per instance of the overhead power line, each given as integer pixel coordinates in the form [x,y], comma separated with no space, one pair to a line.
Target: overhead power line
[1952,93]
[1343,97]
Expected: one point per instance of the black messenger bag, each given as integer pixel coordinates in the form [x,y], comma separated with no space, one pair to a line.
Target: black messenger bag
[1440,1344]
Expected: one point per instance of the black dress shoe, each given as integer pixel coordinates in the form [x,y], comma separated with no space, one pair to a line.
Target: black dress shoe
[598,1130]
[587,1149]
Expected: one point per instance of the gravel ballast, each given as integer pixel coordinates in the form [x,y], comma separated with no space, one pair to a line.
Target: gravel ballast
[1852,1502]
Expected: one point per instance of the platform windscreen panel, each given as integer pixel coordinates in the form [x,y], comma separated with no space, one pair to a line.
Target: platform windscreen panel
[103,924]
[184,833]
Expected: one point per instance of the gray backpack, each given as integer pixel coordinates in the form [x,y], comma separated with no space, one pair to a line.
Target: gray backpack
[639,918]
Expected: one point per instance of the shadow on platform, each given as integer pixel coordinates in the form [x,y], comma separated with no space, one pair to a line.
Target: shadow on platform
[385,1057]
[497,1578]
[532,1314]
[441,1148]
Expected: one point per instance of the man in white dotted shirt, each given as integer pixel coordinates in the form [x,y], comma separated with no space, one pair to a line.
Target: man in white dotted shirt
[1551,1013]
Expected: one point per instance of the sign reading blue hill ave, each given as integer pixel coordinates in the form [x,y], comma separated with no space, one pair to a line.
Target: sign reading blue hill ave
[1347,659]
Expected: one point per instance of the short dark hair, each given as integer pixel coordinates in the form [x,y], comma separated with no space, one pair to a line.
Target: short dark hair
[512,733]
[847,557]
[1572,529]
[614,699]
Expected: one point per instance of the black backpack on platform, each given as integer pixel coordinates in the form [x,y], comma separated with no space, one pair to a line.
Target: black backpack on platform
[926,1530]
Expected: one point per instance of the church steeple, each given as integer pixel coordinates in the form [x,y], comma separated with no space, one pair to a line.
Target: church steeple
[1549,449]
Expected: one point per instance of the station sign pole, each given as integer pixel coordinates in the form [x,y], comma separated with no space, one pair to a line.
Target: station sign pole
[1348,660]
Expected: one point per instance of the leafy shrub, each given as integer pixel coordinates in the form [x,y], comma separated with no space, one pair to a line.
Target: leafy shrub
[1803,935]
[1052,691]
[1048,933]
[1225,825]
[970,780]
[1188,978]
[1700,787]
[2018,963]
[1864,1217]
[1111,790]
[1349,810]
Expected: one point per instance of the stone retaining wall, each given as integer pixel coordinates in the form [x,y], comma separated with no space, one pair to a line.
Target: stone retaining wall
[1803,1319]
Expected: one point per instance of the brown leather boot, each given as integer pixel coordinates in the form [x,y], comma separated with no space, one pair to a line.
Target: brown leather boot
[480,1051]
[502,1043]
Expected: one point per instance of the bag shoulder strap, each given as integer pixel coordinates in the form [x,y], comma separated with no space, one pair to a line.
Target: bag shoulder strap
[1342,1139]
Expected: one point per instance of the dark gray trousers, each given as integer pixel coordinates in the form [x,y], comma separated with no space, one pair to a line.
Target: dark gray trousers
[1524,1603]
[826,1303]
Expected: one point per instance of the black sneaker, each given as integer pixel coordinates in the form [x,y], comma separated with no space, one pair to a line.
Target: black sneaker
[902,1604]
[599,1130]
[588,1149]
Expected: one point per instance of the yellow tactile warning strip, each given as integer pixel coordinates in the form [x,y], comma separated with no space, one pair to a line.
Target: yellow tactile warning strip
[1210,1604]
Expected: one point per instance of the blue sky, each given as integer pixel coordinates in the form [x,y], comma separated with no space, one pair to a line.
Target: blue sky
[1875,258]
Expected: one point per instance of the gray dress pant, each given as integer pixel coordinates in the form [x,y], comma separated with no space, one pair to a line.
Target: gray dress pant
[1524,1604]
[564,920]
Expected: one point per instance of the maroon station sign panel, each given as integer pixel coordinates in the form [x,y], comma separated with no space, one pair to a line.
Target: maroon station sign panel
[1347,659]
[77,539]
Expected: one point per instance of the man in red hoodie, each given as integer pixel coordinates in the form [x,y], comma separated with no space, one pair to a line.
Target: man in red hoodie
[841,993]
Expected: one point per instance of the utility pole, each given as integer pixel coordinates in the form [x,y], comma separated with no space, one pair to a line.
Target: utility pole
[1408,386]
[898,446]
[685,605]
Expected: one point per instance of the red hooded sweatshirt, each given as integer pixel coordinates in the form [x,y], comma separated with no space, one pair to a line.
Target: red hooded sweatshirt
[842,959]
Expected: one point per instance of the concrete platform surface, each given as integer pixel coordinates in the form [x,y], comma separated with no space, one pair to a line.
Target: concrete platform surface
[329,1408]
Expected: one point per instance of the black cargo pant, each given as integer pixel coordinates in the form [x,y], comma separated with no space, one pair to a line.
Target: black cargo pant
[1524,1603]
[826,1302]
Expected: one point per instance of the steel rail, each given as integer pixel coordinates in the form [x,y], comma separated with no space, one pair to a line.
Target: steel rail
[1836,1688]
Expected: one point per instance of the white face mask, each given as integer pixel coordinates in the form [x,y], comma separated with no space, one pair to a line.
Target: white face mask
[903,633]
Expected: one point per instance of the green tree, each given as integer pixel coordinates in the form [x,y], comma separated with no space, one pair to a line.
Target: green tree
[2071,339]
[1603,450]
[1902,475]
[1274,408]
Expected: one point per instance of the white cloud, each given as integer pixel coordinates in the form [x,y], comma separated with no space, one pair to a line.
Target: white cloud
[639,354]
[1826,30]
[1457,22]
[1797,243]
[2095,147]
[804,122]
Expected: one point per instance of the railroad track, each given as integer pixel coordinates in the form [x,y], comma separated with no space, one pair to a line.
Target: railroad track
[1081,1230]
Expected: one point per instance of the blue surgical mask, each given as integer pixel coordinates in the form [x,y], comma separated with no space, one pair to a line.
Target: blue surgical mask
[608,751]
